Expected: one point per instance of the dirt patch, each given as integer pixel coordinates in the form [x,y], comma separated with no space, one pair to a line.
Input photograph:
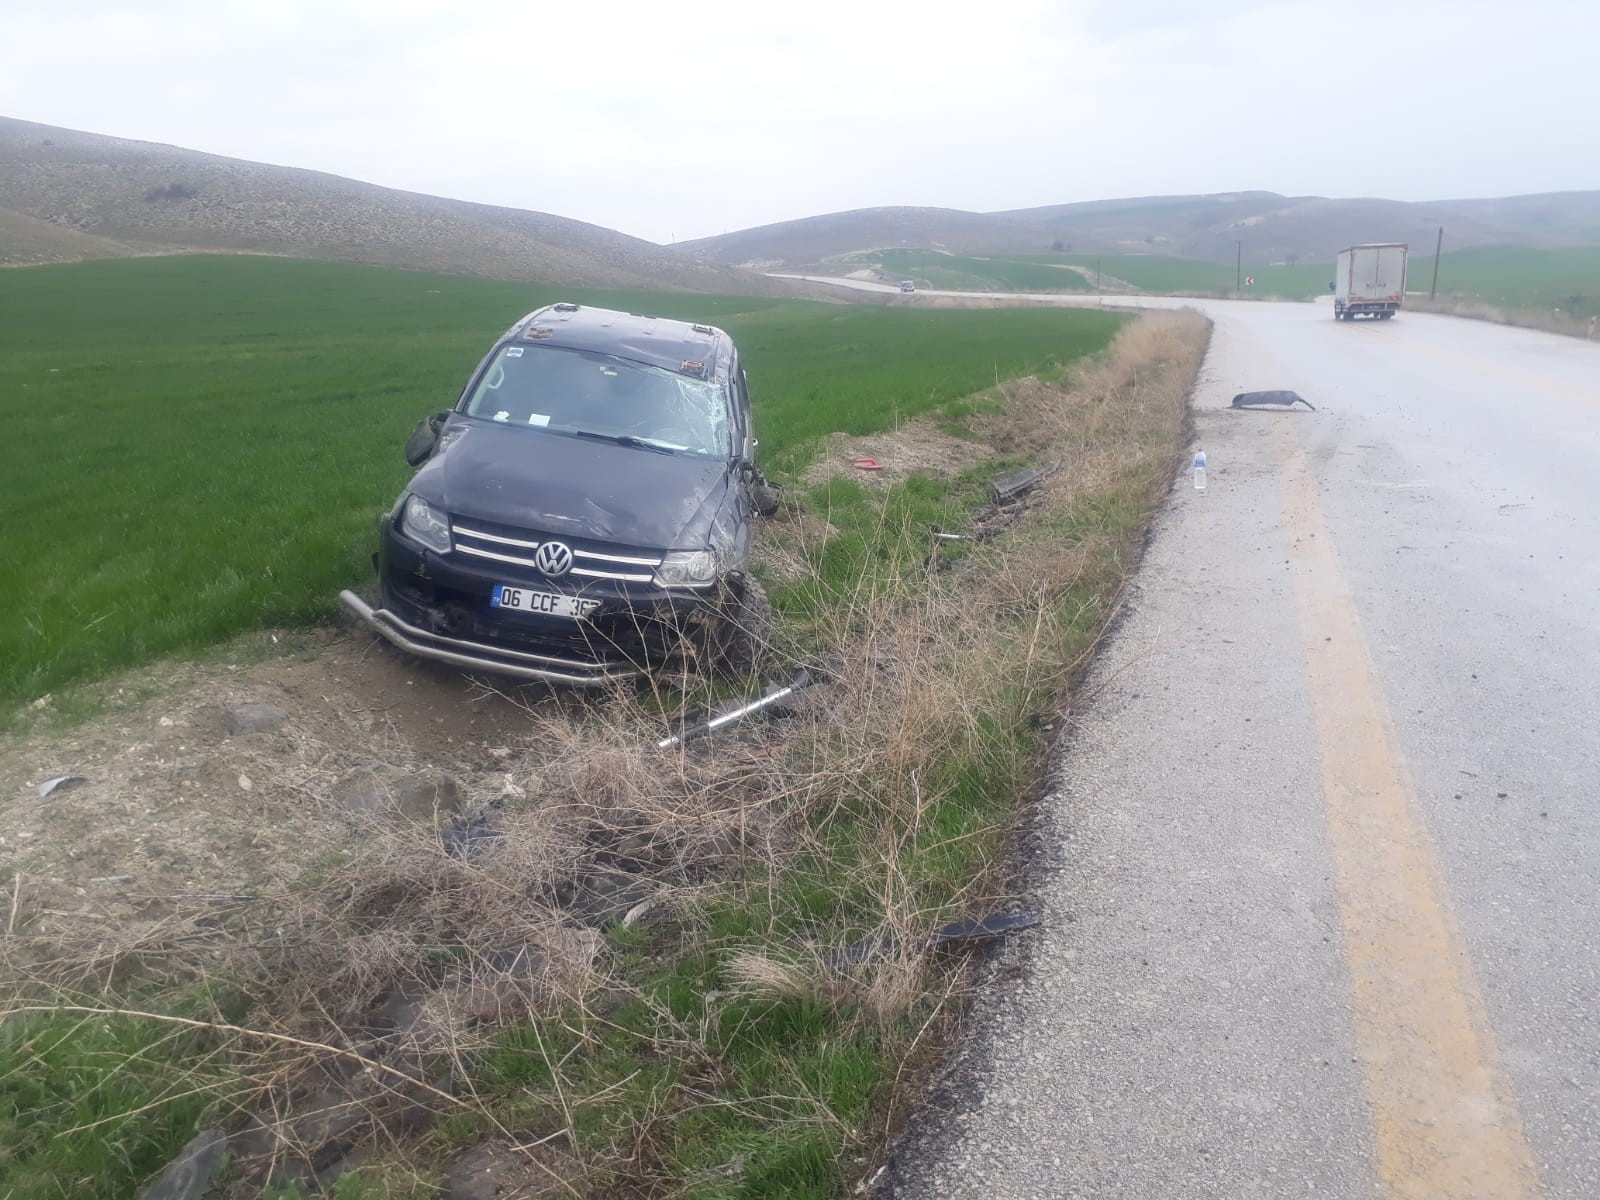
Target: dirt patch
[916,448]
[172,807]
[786,543]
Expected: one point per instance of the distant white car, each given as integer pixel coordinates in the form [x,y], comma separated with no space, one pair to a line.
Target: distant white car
[908,285]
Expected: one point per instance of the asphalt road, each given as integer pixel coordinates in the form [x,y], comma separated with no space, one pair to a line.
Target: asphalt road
[1321,859]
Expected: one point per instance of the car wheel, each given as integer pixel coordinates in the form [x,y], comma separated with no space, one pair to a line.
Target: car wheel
[766,498]
[748,642]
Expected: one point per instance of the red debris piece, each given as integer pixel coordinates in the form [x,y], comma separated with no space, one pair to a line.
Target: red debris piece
[867,464]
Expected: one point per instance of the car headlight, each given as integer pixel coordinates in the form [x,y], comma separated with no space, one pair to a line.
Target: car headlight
[687,568]
[423,522]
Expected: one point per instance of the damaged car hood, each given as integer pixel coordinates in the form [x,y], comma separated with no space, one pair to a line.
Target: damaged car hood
[574,487]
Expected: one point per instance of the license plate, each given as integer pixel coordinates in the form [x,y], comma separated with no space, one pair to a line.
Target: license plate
[551,604]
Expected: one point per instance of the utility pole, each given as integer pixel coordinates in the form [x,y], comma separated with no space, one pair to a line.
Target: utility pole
[1238,265]
[1433,293]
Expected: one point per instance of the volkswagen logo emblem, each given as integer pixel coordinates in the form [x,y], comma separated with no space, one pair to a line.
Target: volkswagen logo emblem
[553,558]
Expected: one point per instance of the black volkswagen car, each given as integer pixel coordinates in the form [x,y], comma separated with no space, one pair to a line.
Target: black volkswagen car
[583,513]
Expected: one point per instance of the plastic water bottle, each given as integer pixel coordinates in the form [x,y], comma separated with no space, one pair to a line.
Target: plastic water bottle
[1199,470]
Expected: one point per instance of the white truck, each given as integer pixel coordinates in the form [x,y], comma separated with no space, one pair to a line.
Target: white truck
[1369,279]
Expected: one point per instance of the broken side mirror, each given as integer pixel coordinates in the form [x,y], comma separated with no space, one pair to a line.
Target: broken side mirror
[424,438]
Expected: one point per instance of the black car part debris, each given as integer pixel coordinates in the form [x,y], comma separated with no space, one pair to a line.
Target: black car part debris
[1009,486]
[470,838]
[691,729]
[985,927]
[1260,399]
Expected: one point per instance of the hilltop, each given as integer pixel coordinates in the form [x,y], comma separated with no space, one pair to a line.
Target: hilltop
[67,195]
[1264,226]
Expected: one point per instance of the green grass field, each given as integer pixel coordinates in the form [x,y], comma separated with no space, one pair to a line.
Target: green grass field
[198,446]
[1516,277]
[971,274]
[1161,274]
[201,445]
[1509,276]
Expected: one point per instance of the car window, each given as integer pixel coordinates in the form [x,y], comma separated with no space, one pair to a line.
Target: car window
[572,391]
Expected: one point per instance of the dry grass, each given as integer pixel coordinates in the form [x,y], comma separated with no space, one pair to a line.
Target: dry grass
[1548,320]
[879,811]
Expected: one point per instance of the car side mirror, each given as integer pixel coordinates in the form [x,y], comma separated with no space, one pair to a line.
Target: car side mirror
[424,438]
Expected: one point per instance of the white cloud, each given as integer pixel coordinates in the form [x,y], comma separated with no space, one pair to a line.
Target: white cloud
[684,120]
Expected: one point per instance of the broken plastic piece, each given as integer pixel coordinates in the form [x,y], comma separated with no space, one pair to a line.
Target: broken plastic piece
[689,731]
[1257,399]
[1012,485]
[991,926]
[60,784]
[866,463]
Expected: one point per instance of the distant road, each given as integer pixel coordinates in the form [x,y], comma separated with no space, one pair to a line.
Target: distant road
[1323,861]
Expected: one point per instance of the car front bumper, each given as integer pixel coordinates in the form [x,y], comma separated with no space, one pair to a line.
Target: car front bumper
[485,656]
[437,606]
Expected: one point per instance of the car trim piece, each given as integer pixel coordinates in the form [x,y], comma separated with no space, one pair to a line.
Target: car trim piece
[622,575]
[481,657]
[467,531]
[617,558]
[510,558]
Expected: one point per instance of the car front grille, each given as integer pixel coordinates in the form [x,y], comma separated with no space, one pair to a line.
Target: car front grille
[494,543]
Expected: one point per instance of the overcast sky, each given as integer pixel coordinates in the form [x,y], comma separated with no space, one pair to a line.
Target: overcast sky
[680,119]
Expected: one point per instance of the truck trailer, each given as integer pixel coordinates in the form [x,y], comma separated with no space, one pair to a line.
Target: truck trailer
[1369,279]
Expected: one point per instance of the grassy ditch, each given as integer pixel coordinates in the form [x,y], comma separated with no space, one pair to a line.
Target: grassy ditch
[696,1033]
[198,446]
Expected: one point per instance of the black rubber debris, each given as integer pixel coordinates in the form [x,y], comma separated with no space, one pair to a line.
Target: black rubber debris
[985,927]
[1270,399]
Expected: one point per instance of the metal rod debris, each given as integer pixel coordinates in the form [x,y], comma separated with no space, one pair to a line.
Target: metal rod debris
[800,679]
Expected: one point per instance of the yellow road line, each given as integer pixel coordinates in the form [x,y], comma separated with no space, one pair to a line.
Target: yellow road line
[1445,1123]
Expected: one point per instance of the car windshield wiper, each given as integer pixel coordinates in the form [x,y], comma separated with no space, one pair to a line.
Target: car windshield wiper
[625,439]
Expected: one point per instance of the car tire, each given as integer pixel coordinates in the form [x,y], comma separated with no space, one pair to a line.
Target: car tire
[766,498]
[748,641]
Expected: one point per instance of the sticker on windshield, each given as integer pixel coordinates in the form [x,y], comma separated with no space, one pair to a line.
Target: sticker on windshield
[538,419]
[514,352]
[502,415]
